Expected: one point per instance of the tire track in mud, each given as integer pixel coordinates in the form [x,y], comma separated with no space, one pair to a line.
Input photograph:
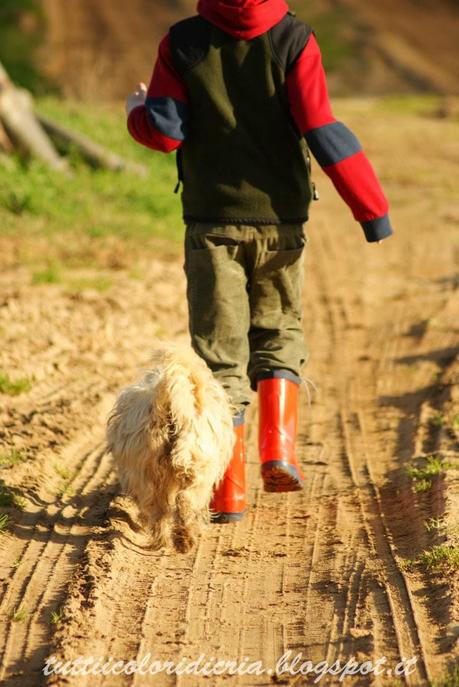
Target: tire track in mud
[60,423]
[408,616]
[47,543]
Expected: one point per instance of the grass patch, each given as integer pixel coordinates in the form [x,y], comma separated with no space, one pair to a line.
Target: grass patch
[10,458]
[97,283]
[3,523]
[440,558]
[421,105]
[18,614]
[438,420]
[423,476]
[450,680]
[17,203]
[434,524]
[50,275]
[14,387]
[10,497]
[56,617]
[65,490]
[63,471]
[61,215]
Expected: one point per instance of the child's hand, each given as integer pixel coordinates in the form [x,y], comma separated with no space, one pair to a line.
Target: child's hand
[136,98]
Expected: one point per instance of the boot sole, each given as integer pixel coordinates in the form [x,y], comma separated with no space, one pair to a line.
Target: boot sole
[223,518]
[279,477]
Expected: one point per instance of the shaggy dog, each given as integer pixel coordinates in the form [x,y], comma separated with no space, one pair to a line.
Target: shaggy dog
[171,436]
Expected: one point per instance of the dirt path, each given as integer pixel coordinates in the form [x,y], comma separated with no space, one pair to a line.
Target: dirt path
[325,572]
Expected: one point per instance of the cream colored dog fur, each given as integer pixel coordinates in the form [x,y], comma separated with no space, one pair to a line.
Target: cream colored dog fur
[171,436]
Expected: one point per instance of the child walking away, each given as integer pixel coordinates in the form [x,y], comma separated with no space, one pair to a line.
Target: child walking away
[239,92]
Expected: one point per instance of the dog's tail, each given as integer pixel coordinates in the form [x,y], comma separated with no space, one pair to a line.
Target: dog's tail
[184,377]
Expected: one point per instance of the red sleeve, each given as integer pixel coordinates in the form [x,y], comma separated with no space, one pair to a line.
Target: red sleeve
[162,123]
[334,146]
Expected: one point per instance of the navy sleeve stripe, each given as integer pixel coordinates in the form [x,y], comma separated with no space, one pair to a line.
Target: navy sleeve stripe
[169,116]
[377,229]
[332,143]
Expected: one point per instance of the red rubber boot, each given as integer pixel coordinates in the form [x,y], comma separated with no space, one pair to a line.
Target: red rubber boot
[229,500]
[278,417]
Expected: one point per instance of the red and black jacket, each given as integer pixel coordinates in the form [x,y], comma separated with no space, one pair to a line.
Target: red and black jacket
[163,123]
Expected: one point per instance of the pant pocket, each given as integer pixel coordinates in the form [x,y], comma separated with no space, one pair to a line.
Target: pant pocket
[286,238]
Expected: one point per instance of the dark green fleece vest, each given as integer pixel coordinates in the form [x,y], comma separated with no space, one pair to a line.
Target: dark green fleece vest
[243,160]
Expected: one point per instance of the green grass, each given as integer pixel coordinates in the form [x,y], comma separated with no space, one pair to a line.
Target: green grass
[423,476]
[97,283]
[422,105]
[56,617]
[450,680]
[63,471]
[14,387]
[89,206]
[54,273]
[4,518]
[433,524]
[437,420]
[10,458]
[10,497]
[18,614]
[440,558]
[66,488]
[49,275]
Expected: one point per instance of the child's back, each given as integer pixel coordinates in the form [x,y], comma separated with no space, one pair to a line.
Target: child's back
[239,91]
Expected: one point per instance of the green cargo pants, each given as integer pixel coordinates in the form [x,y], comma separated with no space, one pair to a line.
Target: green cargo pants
[244,292]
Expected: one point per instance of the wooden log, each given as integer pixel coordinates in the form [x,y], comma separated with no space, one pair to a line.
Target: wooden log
[94,153]
[5,80]
[22,127]
[32,132]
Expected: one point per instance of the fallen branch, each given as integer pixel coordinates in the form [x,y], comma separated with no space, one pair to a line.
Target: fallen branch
[18,119]
[94,153]
[22,127]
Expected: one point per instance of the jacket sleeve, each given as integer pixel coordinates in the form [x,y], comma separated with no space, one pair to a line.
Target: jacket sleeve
[162,123]
[334,146]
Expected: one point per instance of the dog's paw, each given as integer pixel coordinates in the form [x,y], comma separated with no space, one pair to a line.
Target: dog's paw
[159,535]
[183,540]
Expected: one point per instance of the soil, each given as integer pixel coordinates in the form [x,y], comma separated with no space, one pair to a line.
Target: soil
[328,571]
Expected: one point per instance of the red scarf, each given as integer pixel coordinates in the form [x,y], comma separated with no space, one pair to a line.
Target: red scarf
[243,19]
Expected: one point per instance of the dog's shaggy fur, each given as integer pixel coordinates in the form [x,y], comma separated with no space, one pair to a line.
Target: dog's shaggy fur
[171,436]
